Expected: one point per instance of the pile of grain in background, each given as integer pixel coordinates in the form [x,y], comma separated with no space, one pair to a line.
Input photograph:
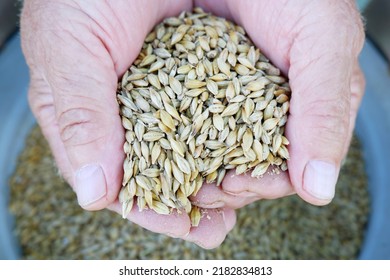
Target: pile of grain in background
[51,225]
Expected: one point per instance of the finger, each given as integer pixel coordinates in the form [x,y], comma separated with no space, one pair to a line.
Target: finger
[272,185]
[240,190]
[214,225]
[175,224]
[211,196]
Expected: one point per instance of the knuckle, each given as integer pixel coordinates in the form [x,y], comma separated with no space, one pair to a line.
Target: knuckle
[328,120]
[80,126]
[358,81]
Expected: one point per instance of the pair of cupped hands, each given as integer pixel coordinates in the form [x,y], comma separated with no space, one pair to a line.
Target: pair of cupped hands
[77,51]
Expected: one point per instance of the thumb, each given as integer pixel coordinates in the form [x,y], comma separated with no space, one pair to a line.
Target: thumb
[317,129]
[319,124]
[85,131]
[89,129]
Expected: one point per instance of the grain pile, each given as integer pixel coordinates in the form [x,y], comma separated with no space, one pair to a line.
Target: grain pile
[200,99]
[50,224]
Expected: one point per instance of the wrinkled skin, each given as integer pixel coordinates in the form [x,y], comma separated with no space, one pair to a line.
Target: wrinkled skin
[77,50]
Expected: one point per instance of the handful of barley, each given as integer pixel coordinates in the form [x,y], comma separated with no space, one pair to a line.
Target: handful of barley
[199,100]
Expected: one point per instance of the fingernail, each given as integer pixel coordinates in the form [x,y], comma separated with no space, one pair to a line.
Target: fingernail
[214,204]
[90,184]
[320,179]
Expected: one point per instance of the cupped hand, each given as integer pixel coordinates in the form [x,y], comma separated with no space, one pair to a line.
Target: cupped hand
[76,51]
[316,45]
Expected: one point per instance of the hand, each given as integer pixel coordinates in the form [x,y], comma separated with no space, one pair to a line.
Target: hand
[315,44]
[76,51]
